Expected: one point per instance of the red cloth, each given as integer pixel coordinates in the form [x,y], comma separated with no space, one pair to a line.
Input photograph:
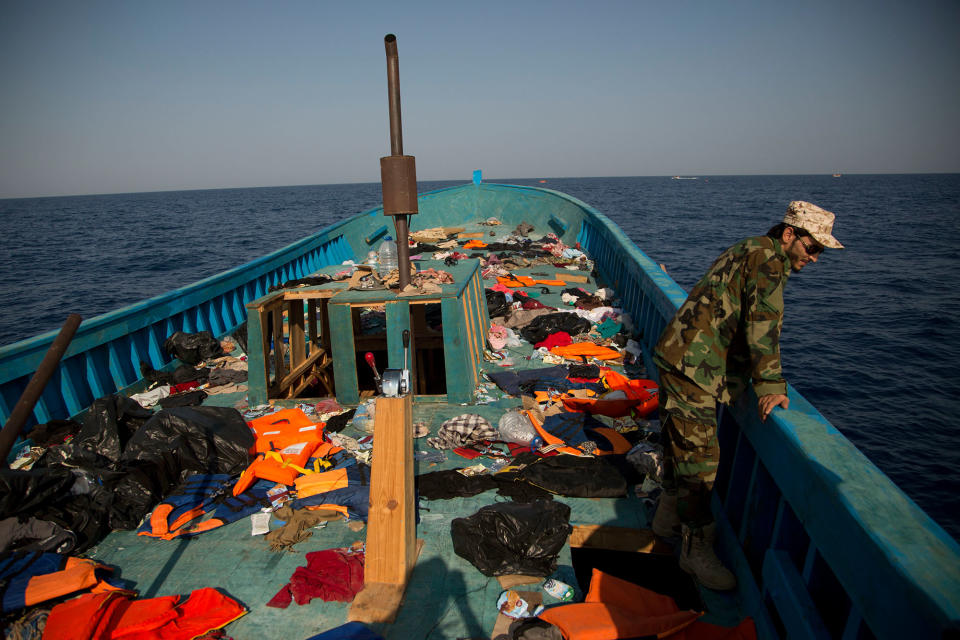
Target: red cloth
[183,386]
[530,303]
[331,575]
[558,339]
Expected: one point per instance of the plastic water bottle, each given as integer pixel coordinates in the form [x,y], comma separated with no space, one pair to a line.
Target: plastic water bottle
[387,256]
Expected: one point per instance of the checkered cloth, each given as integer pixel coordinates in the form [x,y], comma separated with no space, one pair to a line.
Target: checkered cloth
[463,430]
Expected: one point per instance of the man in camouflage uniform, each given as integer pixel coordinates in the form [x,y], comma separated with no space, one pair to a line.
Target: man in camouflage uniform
[723,337]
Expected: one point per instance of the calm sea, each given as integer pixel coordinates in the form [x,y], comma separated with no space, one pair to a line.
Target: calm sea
[871,334]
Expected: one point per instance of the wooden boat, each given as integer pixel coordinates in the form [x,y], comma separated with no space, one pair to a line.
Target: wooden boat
[823,544]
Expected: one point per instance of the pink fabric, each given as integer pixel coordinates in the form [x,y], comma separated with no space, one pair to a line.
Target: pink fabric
[497,337]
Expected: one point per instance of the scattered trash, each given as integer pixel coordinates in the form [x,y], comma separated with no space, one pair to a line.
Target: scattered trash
[559,590]
[512,605]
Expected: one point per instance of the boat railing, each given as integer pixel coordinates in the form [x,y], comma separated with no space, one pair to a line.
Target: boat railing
[105,354]
[823,543]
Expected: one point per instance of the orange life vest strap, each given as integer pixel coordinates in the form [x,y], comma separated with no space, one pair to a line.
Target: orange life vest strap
[553,442]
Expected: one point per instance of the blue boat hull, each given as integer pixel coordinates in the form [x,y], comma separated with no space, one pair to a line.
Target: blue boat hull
[822,542]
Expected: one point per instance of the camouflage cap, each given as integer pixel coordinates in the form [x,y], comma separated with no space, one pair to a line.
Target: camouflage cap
[814,220]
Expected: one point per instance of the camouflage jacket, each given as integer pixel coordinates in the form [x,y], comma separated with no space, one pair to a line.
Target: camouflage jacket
[728,331]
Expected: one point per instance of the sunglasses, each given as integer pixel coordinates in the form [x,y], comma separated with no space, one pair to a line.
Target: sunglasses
[812,250]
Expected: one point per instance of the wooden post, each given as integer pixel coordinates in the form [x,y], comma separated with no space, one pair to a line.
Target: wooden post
[392,546]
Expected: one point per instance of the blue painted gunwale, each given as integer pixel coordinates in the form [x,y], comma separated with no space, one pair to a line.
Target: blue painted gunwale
[823,543]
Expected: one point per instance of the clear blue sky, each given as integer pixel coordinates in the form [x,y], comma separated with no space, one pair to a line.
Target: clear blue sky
[101,97]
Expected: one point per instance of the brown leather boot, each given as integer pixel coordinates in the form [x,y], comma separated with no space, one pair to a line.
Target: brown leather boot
[698,557]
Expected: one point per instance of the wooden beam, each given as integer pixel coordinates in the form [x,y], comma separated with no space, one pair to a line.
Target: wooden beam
[295,322]
[598,536]
[392,548]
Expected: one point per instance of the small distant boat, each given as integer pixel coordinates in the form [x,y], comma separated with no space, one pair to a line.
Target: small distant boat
[684,178]
[838,175]
[542,181]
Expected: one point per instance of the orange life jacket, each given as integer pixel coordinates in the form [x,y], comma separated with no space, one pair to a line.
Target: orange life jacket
[615,608]
[115,615]
[34,577]
[580,350]
[641,397]
[285,441]
[527,281]
[553,443]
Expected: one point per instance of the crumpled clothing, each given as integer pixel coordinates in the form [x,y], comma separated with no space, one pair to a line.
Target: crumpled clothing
[497,337]
[152,397]
[327,405]
[608,328]
[333,575]
[433,234]
[339,422]
[23,534]
[520,318]
[529,303]
[605,293]
[185,399]
[558,339]
[523,229]
[463,430]
[426,288]
[589,303]
[184,386]
[228,362]
[30,626]
[597,314]
[505,290]
[435,275]
[647,458]
[298,525]
[236,387]
[555,249]
[428,281]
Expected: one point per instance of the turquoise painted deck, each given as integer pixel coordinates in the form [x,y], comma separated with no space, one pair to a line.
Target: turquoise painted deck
[446,598]
[819,538]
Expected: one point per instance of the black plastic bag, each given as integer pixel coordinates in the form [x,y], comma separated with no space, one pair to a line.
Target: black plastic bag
[575,476]
[86,516]
[171,445]
[107,427]
[497,304]
[22,492]
[183,373]
[202,439]
[513,537]
[542,326]
[193,348]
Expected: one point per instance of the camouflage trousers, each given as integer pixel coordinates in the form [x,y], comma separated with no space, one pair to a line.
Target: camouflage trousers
[688,418]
